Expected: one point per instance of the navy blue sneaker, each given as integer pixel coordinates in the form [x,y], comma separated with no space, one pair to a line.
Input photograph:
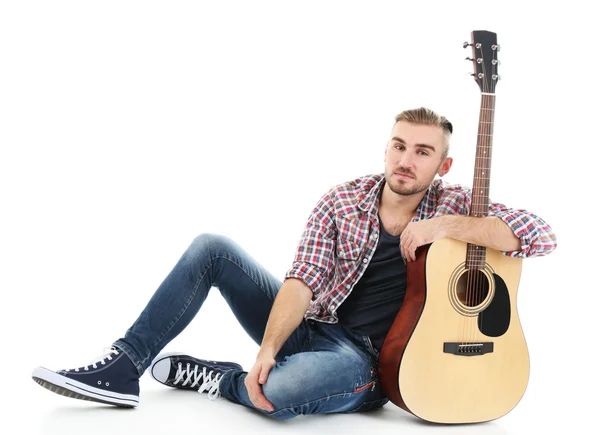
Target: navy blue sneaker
[113,379]
[178,370]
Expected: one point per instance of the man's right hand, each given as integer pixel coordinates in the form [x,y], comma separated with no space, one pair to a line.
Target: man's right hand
[257,377]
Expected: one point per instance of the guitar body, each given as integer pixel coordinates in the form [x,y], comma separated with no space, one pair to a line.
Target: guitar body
[451,357]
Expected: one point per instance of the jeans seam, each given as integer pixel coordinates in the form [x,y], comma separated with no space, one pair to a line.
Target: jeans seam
[195,290]
[245,271]
[313,402]
[374,353]
[186,305]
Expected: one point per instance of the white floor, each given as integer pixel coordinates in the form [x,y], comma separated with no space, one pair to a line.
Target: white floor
[163,410]
[128,128]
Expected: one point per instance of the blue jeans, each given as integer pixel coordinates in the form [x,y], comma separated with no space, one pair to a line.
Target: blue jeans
[321,368]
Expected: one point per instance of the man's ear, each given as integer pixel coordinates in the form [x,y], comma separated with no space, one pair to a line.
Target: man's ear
[445,166]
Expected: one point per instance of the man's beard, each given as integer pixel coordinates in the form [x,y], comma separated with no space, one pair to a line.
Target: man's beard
[401,187]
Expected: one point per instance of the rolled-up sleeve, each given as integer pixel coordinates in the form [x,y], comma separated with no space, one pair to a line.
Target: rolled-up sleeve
[536,236]
[314,262]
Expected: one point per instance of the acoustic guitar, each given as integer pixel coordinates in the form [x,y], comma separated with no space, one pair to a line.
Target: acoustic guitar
[456,352]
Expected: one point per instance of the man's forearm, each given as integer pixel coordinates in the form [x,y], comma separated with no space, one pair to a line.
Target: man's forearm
[487,231]
[288,310]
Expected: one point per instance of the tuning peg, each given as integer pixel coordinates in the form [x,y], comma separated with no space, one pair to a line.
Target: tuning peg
[466,44]
[496,62]
[469,58]
[496,77]
[496,47]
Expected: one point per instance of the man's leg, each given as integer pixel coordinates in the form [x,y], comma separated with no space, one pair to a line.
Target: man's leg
[337,372]
[210,261]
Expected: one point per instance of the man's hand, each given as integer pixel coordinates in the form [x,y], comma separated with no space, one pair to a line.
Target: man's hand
[255,378]
[420,233]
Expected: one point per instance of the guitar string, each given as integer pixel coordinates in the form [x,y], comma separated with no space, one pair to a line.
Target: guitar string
[465,330]
[473,265]
[484,138]
[489,130]
[479,252]
[486,284]
[488,115]
[470,248]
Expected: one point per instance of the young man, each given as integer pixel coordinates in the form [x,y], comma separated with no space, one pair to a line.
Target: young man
[321,330]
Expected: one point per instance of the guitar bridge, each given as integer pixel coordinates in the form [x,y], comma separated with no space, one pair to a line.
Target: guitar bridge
[469,349]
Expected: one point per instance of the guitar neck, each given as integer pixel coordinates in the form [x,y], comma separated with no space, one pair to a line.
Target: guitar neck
[483,157]
[484,48]
[481,179]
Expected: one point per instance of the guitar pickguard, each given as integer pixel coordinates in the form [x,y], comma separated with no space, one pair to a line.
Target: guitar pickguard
[495,319]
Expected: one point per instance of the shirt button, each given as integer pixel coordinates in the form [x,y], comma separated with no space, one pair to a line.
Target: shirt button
[374,236]
[347,285]
[365,260]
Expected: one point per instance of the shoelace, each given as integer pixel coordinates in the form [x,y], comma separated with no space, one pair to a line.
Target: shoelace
[106,354]
[209,383]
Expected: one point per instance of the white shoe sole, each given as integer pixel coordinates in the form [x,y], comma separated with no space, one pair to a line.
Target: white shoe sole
[70,388]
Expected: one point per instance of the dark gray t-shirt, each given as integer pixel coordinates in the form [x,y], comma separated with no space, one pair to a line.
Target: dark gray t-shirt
[372,306]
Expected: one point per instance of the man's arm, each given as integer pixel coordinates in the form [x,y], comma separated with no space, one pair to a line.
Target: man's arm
[488,231]
[535,236]
[516,233]
[288,310]
[313,266]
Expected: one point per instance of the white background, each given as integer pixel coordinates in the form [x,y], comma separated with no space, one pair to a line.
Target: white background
[127,128]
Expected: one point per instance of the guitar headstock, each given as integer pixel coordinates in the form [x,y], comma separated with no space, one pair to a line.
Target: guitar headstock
[485,50]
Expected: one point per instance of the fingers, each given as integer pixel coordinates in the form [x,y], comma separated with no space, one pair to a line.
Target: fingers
[257,376]
[264,374]
[404,242]
[407,248]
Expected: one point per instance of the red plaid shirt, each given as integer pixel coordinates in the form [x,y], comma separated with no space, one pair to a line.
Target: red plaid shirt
[342,231]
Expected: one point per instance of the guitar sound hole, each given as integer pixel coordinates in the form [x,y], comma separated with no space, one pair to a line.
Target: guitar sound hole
[472,287]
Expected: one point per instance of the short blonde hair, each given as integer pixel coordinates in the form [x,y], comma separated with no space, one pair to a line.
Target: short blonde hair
[426,116]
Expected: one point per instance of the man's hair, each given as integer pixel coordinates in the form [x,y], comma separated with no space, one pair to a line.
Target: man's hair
[426,116]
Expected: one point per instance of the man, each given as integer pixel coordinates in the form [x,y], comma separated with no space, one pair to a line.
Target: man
[321,330]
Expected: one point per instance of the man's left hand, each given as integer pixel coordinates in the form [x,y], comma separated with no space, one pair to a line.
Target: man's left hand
[418,234]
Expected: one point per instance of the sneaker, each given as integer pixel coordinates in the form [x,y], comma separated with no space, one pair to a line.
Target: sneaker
[112,379]
[177,370]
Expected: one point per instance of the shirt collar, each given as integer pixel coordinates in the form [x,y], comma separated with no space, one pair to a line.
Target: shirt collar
[368,192]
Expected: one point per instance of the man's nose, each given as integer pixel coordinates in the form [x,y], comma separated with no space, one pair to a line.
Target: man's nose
[406,161]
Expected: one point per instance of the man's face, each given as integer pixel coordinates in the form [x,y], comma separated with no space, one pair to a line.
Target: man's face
[413,156]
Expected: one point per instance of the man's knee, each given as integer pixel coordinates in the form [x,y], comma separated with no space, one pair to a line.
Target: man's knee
[304,384]
[209,242]
[209,239]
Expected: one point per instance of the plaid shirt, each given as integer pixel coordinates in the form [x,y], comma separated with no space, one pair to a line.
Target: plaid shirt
[341,235]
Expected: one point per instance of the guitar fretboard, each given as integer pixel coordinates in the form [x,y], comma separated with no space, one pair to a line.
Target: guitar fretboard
[481,178]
